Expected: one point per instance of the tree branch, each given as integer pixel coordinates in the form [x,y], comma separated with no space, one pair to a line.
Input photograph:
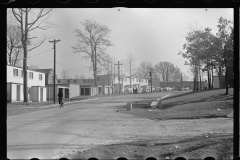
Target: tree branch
[38,45]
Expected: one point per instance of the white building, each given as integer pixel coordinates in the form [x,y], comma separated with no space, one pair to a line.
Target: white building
[108,84]
[125,86]
[36,85]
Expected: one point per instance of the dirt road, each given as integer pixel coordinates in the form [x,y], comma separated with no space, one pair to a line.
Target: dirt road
[60,132]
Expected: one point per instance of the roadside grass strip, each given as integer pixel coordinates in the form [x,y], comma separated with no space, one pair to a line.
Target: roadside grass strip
[208,104]
[69,103]
[17,109]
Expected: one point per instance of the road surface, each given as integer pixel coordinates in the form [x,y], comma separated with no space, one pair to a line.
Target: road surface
[59,132]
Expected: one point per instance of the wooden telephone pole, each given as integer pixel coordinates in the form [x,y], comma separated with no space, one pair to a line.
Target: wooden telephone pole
[150,73]
[54,83]
[118,77]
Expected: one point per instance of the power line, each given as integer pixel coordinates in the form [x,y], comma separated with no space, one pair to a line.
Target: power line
[35,55]
[69,66]
[70,54]
[40,53]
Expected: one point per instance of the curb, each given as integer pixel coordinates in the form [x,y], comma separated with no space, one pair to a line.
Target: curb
[68,102]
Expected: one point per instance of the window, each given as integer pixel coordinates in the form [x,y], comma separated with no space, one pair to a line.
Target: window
[98,78]
[75,81]
[15,72]
[40,77]
[68,81]
[58,81]
[31,75]
[84,81]
[22,73]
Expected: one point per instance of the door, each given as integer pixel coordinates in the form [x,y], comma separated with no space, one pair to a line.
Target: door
[18,92]
[41,94]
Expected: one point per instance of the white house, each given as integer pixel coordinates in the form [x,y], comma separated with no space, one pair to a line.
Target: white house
[107,84]
[36,85]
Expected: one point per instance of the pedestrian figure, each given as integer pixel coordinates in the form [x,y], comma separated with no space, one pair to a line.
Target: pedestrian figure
[60,96]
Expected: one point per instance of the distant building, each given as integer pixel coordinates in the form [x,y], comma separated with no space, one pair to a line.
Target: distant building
[184,84]
[106,84]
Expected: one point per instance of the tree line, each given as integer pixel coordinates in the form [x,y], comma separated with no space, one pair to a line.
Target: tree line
[206,52]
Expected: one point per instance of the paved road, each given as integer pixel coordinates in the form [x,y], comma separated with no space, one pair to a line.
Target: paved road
[57,132]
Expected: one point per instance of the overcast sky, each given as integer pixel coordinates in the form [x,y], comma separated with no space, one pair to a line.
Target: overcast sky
[152,35]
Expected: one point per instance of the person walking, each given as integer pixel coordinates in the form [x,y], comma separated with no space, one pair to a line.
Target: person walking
[60,96]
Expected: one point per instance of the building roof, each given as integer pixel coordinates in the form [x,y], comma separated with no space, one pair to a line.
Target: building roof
[44,70]
[27,69]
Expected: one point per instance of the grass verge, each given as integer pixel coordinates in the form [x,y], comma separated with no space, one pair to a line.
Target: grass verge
[17,108]
[192,105]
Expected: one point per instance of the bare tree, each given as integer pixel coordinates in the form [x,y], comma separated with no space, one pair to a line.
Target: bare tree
[142,70]
[82,76]
[164,70]
[65,74]
[129,66]
[28,20]
[14,46]
[175,74]
[33,67]
[76,76]
[93,43]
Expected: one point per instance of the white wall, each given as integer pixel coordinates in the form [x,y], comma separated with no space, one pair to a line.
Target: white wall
[8,92]
[133,82]
[44,94]
[19,79]
[14,92]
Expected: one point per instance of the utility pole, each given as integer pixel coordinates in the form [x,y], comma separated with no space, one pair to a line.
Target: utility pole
[118,77]
[54,83]
[150,73]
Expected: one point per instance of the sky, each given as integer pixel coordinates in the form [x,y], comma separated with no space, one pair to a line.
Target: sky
[153,35]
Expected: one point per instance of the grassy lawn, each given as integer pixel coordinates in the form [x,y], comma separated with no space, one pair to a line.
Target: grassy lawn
[191,105]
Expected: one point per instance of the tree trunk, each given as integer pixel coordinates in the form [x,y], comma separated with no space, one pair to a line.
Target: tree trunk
[209,80]
[219,75]
[196,73]
[95,67]
[200,78]
[25,80]
[226,77]
[212,78]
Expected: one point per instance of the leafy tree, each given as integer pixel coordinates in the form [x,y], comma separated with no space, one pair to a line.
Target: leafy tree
[225,36]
